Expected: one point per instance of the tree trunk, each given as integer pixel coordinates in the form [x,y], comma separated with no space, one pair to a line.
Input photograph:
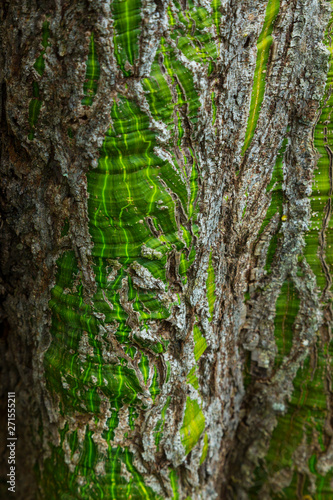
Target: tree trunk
[166,267]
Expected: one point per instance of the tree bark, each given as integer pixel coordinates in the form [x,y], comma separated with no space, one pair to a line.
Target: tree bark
[166,179]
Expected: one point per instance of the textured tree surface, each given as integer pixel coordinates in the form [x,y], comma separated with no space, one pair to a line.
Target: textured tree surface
[166,262]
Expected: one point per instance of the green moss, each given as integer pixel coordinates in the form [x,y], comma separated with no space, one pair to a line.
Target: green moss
[174,484]
[200,344]
[204,449]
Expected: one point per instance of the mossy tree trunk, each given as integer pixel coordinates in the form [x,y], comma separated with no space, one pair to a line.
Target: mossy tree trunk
[166,257]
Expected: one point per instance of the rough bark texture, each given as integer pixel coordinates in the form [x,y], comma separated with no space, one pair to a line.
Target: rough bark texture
[166,179]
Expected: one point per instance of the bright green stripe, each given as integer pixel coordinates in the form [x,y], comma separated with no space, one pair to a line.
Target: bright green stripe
[216,5]
[154,388]
[204,449]
[200,344]
[171,16]
[145,492]
[214,108]
[263,46]
[92,74]
[194,185]
[192,378]
[323,139]
[144,367]
[174,484]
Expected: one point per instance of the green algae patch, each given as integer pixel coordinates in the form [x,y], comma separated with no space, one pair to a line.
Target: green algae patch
[210,284]
[154,389]
[200,343]
[136,193]
[129,170]
[92,74]
[192,378]
[276,205]
[204,449]
[74,361]
[304,422]
[144,367]
[193,38]
[287,306]
[193,425]
[264,43]
[127,22]
[159,96]
[216,5]
[93,486]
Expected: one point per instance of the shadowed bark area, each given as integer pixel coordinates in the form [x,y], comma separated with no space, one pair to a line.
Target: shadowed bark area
[166,178]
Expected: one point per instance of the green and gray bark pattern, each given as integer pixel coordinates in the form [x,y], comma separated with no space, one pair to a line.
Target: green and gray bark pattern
[166,270]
